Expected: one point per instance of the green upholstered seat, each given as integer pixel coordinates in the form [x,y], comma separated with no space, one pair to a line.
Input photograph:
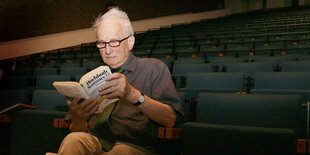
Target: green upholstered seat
[259,110]
[212,139]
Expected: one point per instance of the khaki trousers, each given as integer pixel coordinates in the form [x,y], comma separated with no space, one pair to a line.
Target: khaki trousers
[82,143]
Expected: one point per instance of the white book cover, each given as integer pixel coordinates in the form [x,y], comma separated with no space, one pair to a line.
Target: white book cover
[87,87]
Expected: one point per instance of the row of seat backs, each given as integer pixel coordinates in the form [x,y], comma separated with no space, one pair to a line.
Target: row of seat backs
[180,64]
[22,95]
[215,50]
[73,62]
[79,52]
[59,71]
[206,45]
[228,123]
[40,81]
[53,68]
[69,59]
[202,38]
[248,68]
[43,77]
[216,32]
[257,110]
[62,58]
[42,99]
[212,80]
[214,139]
[238,80]
[218,58]
[91,63]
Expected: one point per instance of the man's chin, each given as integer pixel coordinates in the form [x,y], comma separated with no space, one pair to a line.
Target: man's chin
[113,65]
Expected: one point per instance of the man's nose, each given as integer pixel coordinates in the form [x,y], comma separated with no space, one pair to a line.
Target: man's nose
[108,49]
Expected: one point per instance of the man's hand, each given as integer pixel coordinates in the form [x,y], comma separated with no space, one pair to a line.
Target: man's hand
[83,110]
[118,86]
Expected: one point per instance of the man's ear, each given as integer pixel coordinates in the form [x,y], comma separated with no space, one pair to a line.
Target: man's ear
[131,42]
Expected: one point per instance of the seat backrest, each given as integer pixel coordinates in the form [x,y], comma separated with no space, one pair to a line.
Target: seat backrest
[46,81]
[303,93]
[296,66]
[282,80]
[22,71]
[250,68]
[213,80]
[182,69]
[273,59]
[48,99]
[223,60]
[189,60]
[13,96]
[18,81]
[259,110]
[45,71]
[72,71]
[202,138]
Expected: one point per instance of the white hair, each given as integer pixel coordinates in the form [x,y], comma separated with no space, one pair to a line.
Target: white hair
[115,12]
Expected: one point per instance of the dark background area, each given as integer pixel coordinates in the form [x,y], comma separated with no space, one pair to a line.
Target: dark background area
[29,18]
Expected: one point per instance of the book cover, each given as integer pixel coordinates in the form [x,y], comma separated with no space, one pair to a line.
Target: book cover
[87,87]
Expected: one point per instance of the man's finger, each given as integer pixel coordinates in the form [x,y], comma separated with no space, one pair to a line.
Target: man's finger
[68,102]
[92,111]
[112,95]
[90,106]
[75,101]
[107,91]
[106,86]
[85,103]
[113,76]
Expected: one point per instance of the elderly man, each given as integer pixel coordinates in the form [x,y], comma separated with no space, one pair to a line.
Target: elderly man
[148,98]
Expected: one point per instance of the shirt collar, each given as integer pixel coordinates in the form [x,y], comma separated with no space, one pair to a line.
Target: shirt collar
[129,65]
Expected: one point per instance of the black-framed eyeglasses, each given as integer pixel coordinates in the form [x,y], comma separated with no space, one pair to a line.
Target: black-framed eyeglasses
[114,43]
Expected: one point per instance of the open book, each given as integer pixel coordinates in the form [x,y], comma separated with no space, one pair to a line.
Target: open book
[87,87]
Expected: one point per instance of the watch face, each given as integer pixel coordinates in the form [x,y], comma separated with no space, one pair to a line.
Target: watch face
[141,99]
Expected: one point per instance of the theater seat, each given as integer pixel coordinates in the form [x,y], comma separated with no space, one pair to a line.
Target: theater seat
[256,110]
[250,68]
[212,139]
[282,80]
[303,93]
[32,131]
[13,96]
[216,81]
[45,71]
[296,66]
[46,81]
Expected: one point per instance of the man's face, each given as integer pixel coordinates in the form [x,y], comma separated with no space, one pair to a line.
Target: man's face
[111,30]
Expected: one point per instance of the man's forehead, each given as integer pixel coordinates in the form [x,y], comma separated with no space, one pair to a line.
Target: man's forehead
[110,28]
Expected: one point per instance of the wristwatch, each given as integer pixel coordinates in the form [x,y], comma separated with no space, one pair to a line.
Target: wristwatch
[140,100]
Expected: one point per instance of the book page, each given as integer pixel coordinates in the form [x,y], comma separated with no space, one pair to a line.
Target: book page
[70,89]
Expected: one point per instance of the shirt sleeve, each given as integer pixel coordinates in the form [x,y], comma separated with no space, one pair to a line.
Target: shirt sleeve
[163,90]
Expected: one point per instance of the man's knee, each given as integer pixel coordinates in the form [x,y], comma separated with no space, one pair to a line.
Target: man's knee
[76,137]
